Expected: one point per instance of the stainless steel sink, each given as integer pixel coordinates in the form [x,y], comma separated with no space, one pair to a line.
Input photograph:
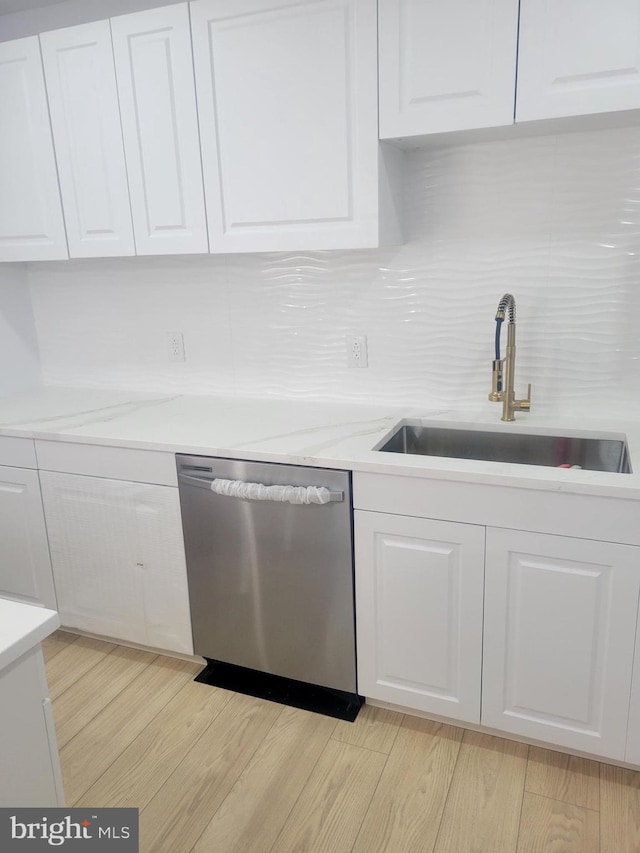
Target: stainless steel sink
[589,452]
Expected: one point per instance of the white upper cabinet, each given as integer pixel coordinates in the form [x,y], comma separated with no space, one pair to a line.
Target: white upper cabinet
[31,224]
[154,69]
[83,100]
[578,57]
[446,65]
[287,101]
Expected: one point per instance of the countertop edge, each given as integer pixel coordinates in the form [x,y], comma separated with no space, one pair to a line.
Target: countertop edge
[315,434]
[23,627]
[510,475]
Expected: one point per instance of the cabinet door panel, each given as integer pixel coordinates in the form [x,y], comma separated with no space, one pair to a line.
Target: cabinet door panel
[578,57]
[419,613]
[118,559]
[154,67]
[27,743]
[446,65]
[632,753]
[560,617]
[288,117]
[31,225]
[25,568]
[83,99]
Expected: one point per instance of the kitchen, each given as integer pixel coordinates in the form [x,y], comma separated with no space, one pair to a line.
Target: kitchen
[118,363]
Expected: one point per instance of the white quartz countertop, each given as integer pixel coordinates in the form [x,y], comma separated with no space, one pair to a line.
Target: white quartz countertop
[22,626]
[305,432]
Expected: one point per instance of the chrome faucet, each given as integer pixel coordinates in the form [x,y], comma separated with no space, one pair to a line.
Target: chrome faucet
[503,372]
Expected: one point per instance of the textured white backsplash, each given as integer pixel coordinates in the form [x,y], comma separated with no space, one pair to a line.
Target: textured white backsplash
[555,220]
[18,346]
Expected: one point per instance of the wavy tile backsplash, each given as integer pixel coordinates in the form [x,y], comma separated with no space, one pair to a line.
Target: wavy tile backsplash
[553,219]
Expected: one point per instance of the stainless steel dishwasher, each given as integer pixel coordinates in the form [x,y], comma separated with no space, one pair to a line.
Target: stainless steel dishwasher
[270,581]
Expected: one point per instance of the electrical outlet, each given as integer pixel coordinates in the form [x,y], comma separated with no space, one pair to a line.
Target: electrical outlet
[175,346]
[357,351]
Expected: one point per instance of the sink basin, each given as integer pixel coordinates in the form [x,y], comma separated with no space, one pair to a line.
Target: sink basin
[592,453]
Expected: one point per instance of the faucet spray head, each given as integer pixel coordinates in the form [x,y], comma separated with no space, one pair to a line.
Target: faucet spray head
[506,304]
[497,391]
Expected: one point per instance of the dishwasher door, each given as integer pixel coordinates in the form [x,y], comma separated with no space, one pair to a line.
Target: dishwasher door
[270,583]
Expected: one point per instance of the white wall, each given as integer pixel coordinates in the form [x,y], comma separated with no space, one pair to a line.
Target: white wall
[19,360]
[553,219]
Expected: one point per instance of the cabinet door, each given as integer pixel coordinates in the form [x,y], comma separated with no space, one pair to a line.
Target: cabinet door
[154,68]
[83,100]
[446,65]
[560,622]
[419,587]
[31,226]
[27,737]
[118,559]
[287,101]
[578,57]
[25,568]
[632,754]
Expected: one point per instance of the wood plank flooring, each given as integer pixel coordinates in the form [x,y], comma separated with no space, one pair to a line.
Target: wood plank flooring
[219,772]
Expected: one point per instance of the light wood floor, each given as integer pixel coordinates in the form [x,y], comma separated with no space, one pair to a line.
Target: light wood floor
[218,772]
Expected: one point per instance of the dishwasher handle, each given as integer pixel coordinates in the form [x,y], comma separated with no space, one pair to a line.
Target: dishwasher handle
[332,495]
[198,482]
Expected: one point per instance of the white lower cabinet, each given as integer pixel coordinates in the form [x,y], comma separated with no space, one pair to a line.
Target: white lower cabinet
[560,623]
[118,559]
[419,602]
[32,776]
[632,754]
[25,568]
[550,648]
